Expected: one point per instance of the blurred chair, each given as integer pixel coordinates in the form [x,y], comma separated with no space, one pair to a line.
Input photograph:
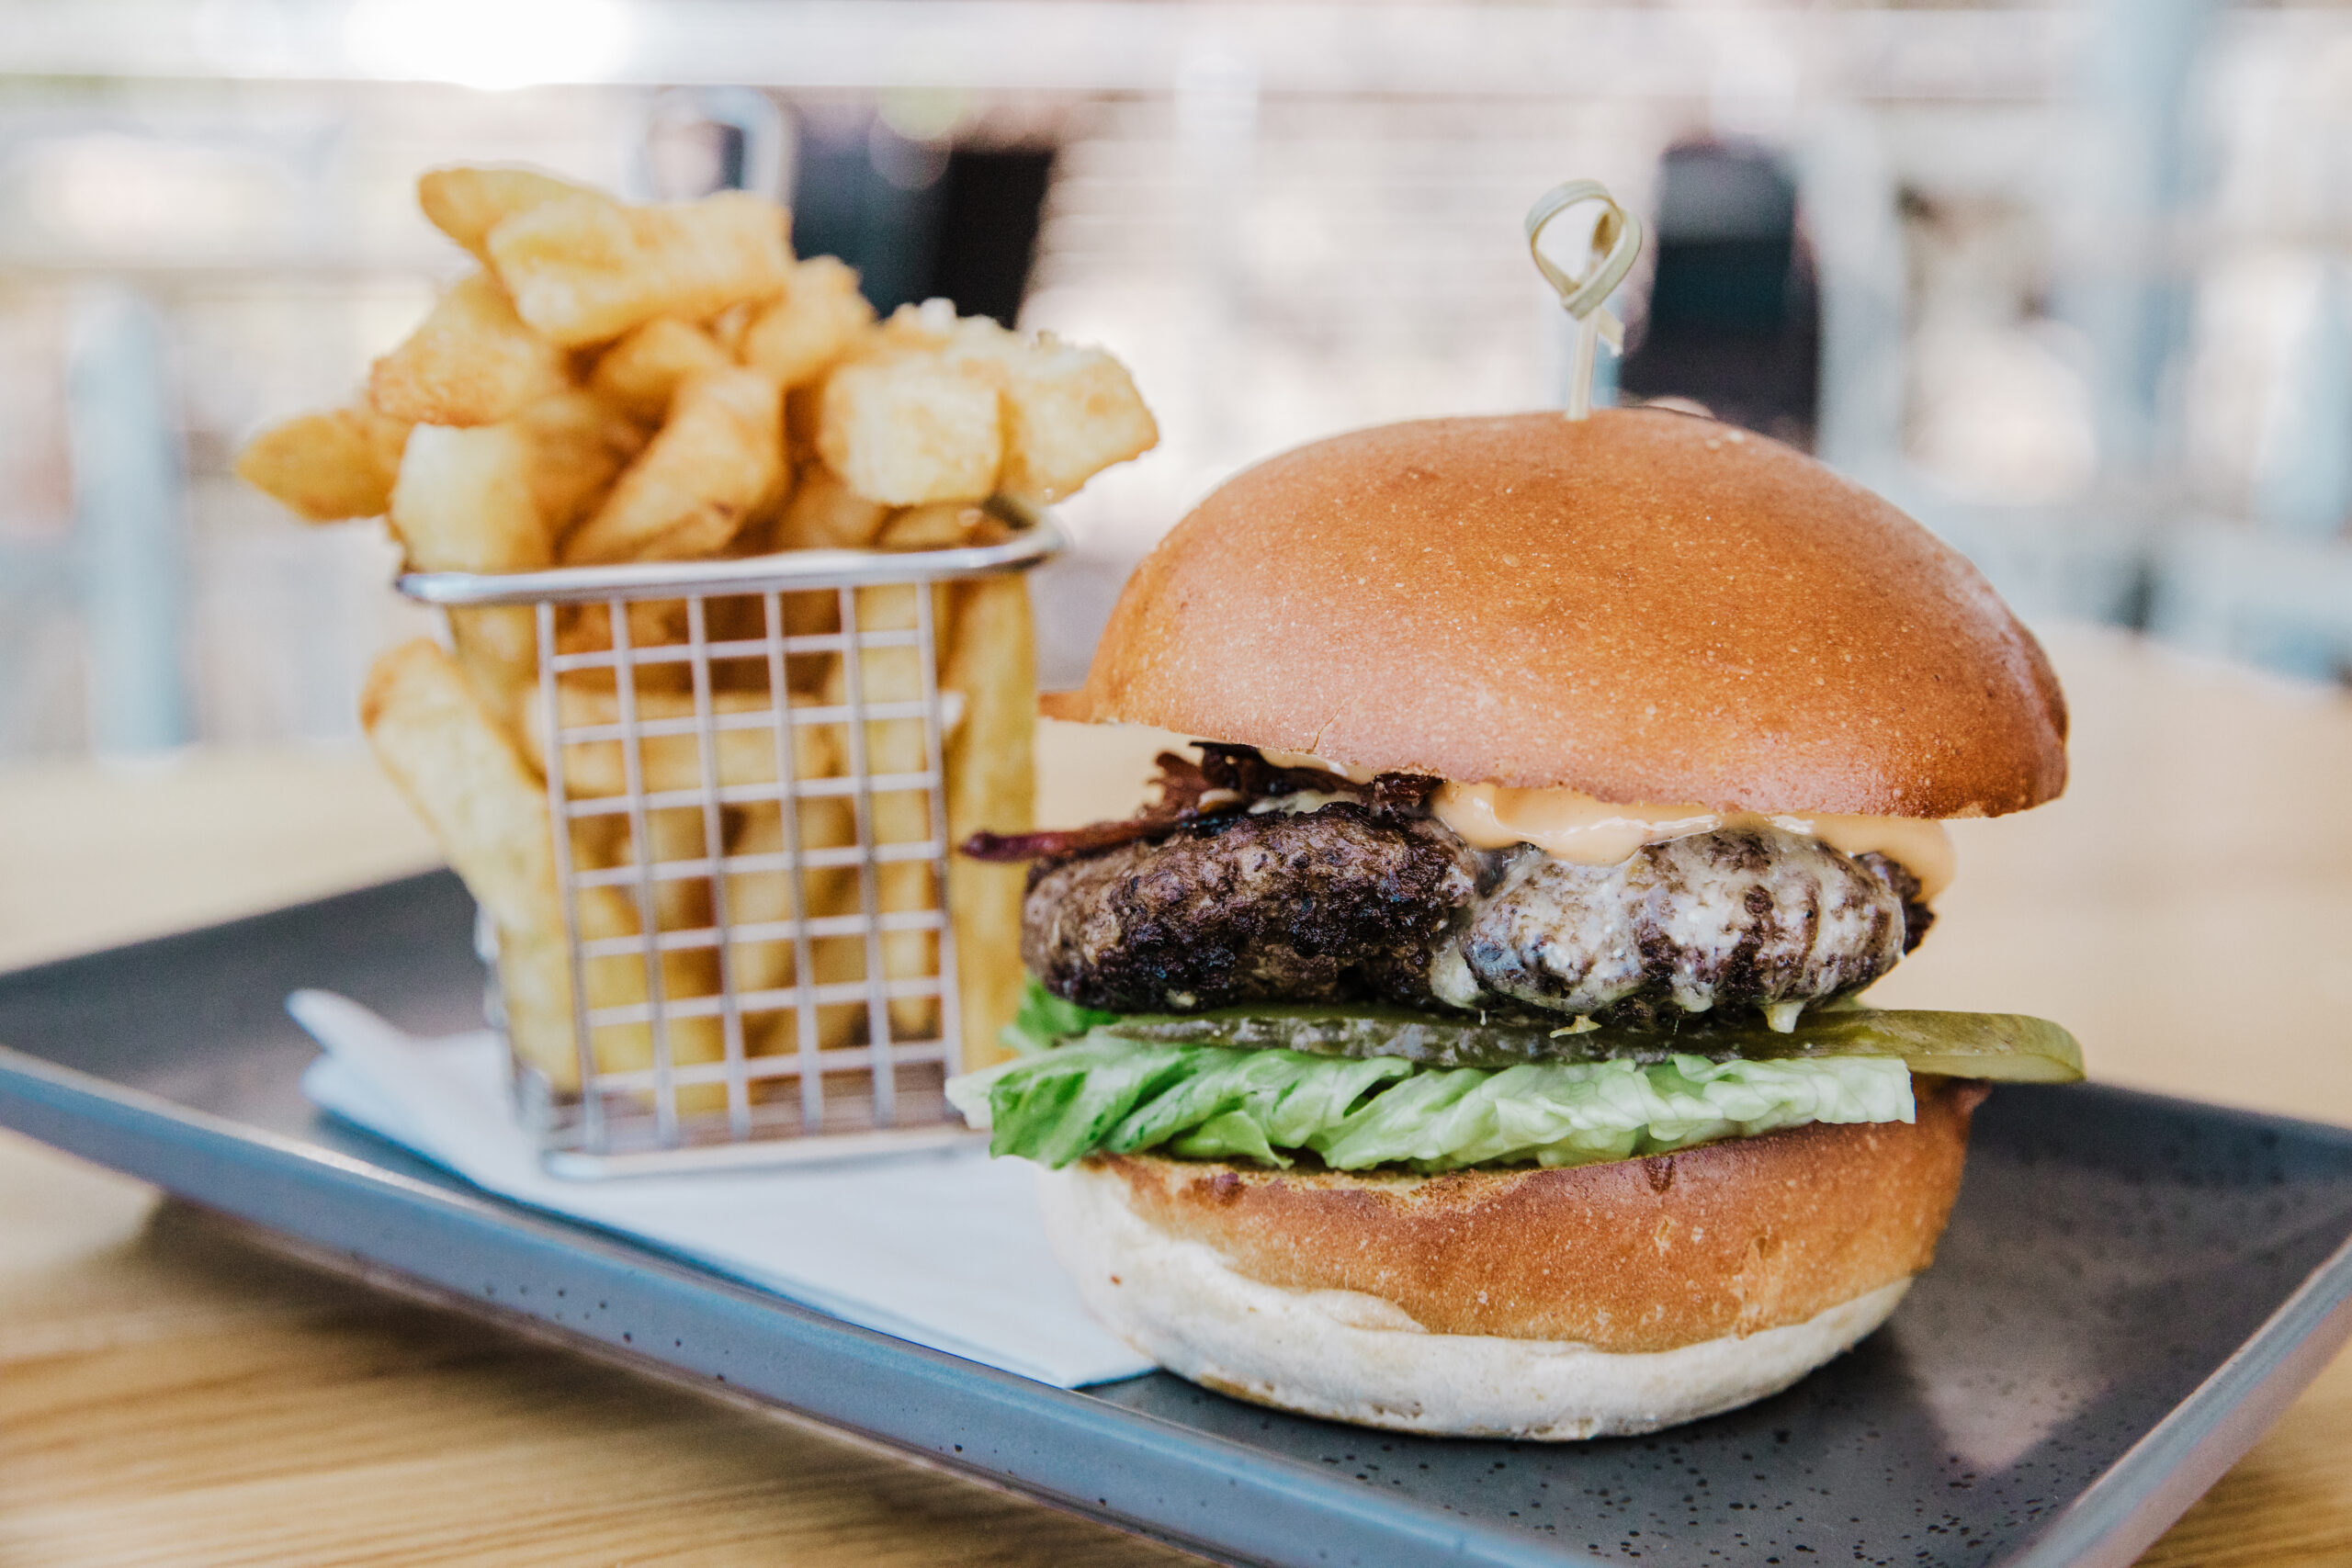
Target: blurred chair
[2303,489]
[2283,603]
[2280,594]
[1733,319]
[129,523]
[2074,563]
[37,641]
[917,216]
[700,140]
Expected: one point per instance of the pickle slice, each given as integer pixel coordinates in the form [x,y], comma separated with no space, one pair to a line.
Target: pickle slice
[1999,1046]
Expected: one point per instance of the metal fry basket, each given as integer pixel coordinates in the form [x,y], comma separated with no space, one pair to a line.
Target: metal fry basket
[747,783]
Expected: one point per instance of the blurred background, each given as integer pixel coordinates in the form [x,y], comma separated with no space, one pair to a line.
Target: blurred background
[2068,281]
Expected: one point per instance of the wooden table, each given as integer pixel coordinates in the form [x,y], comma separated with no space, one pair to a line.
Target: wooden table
[170,1392]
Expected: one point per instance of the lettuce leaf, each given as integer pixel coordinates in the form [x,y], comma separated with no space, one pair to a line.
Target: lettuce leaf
[1105,1092]
[1044,1018]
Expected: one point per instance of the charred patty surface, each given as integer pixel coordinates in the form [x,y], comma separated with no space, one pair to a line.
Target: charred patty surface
[1739,918]
[1349,903]
[1336,905]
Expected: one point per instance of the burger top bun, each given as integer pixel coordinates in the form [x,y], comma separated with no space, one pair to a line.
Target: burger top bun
[1644,605]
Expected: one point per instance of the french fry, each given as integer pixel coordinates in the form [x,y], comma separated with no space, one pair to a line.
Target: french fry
[899,746]
[765,897]
[1069,412]
[680,903]
[825,513]
[819,322]
[744,757]
[499,646]
[466,202]
[838,961]
[458,768]
[942,526]
[640,373]
[448,755]
[535,984]
[724,366]
[471,361]
[728,327]
[909,428]
[464,502]
[822,514]
[662,622]
[803,413]
[897,815]
[651,623]
[709,473]
[920,329]
[579,444]
[991,784]
[597,768]
[584,269]
[744,618]
[327,467]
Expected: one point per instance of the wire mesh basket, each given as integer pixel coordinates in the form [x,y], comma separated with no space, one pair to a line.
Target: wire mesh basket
[746,779]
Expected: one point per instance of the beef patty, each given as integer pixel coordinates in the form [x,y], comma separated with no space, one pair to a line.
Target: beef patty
[1352,903]
[1343,904]
[1738,918]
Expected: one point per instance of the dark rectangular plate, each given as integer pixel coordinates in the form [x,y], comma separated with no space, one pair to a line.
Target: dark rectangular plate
[2132,1288]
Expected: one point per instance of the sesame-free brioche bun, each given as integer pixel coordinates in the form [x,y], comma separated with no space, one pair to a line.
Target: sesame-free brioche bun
[1644,605]
[1589,1302]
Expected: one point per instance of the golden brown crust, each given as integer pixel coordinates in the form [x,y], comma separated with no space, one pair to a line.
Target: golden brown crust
[1643,605]
[1631,1255]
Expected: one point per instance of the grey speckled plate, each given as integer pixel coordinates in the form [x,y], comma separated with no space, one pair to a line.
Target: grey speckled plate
[2131,1290]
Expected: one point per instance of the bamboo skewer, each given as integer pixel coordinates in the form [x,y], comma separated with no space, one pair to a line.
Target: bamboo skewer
[1616,242]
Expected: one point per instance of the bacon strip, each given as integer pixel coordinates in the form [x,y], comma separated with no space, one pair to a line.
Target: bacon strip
[1060,842]
[1244,768]
[1182,785]
[1225,780]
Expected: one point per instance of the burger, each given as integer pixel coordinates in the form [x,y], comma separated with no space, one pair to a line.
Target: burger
[1467,1039]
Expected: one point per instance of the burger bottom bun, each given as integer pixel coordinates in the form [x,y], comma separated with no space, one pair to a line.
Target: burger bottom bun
[1522,1303]
[1348,1356]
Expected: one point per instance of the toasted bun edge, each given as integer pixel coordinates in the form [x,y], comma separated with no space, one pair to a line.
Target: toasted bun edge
[1629,1256]
[1346,1357]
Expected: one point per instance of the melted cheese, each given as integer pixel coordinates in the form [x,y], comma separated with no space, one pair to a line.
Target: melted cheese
[1347,770]
[1572,825]
[1918,844]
